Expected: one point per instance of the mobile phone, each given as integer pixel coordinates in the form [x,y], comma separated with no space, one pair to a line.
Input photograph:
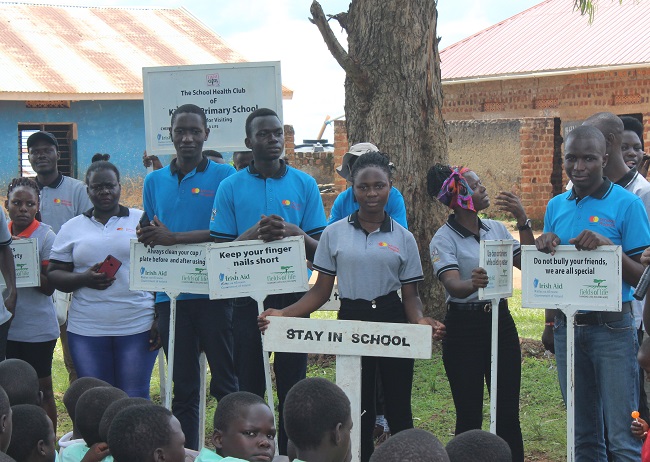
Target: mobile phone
[144,220]
[110,266]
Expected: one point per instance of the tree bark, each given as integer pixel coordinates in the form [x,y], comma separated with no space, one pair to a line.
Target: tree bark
[393,98]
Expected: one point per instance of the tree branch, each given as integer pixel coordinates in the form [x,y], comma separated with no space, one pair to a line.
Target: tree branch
[352,69]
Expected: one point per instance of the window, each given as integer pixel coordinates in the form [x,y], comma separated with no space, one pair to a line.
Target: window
[66,135]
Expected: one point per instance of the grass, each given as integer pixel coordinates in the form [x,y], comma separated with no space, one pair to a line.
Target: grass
[542,413]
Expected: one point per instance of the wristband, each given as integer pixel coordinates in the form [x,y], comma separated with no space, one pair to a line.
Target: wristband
[549,324]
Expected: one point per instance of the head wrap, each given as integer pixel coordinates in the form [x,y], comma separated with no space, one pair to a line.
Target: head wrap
[456,191]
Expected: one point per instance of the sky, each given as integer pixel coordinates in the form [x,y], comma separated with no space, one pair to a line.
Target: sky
[279,30]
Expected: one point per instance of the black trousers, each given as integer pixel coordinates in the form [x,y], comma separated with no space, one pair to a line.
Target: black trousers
[466,356]
[396,377]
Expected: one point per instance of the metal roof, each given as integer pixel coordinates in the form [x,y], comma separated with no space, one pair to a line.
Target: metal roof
[552,38]
[74,52]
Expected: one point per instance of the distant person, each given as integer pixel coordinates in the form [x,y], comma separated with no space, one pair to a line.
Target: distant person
[346,202]
[478,446]
[62,198]
[413,445]
[241,159]
[214,156]
[33,438]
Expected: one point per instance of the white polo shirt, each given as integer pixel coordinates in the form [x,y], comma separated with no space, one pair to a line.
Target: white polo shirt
[83,241]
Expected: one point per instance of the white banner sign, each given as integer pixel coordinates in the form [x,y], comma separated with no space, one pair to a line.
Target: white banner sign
[237,269]
[496,259]
[174,268]
[226,92]
[352,338]
[26,262]
[589,280]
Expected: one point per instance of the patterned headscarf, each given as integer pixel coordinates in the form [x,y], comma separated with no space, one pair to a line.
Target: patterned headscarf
[456,191]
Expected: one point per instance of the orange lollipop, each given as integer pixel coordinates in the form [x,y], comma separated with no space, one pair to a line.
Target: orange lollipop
[635,414]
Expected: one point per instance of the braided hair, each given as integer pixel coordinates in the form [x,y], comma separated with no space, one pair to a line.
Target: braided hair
[28,183]
[372,159]
[99,156]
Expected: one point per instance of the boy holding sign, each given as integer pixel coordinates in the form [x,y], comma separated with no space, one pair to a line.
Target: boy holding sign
[594,213]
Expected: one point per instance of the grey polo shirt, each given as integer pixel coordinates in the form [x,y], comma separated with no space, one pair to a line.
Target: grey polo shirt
[368,265]
[65,198]
[454,247]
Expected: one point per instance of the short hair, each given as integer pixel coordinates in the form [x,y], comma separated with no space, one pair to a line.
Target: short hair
[90,409]
[99,156]
[478,446]
[231,406]
[5,404]
[30,425]
[190,109]
[607,123]
[78,388]
[113,409]
[261,112]
[212,153]
[137,431]
[101,165]
[313,407]
[412,445]
[633,124]
[371,159]
[20,381]
[436,177]
[586,131]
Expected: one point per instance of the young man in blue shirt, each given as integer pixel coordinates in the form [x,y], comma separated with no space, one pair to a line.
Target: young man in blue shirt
[267,200]
[597,212]
[178,199]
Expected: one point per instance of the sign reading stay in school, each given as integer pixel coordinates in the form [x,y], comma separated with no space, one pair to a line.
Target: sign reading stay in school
[237,269]
[352,338]
[226,92]
[590,279]
[496,259]
[26,262]
[174,268]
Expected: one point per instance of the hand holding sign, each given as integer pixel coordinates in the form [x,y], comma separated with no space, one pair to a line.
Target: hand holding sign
[438,329]
[589,240]
[271,228]
[262,322]
[547,243]
[479,278]
[157,234]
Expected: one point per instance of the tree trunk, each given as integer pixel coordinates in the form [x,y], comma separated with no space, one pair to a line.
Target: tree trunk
[393,98]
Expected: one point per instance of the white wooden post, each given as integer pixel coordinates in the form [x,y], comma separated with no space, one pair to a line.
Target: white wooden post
[494,366]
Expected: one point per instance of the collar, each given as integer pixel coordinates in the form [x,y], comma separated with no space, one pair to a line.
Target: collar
[27,232]
[279,174]
[599,193]
[203,165]
[461,230]
[55,184]
[124,212]
[385,227]
[628,178]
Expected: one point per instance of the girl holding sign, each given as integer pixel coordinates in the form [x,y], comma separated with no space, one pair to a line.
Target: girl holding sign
[466,349]
[373,257]
[111,329]
[34,327]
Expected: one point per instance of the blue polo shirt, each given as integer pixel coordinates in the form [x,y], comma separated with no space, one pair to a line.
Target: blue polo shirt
[183,202]
[610,211]
[245,196]
[345,204]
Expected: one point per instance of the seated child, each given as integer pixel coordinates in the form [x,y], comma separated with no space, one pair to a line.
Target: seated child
[318,420]
[20,382]
[413,445]
[5,421]
[146,433]
[243,428]
[88,414]
[33,437]
[479,446]
[113,409]
[70,398]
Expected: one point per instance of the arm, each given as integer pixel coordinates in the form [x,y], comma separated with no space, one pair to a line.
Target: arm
[8,271]
[508,202]
[64,279]
[458,288]
[159,234]
[413,310]
[46,286]
[396,207]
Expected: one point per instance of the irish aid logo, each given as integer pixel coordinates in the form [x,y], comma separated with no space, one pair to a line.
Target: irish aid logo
[195,190]
[594,219]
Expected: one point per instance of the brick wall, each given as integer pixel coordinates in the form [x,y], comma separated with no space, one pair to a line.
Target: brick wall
[320,165]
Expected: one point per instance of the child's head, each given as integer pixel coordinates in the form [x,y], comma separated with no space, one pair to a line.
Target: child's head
[643,357]
[146,433]
[90,409]
[317,417]
[33,435]
[244,427]
[74,392]
[5,421]
[20,382]
[22,201]
[412,445]
[479,446]
[113,409]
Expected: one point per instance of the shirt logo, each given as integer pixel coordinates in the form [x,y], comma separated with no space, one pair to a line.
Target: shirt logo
[594,219]
[606,222]
[195,190]
[62,202]
[389,246]
[289,204]
[213,215]
[435,256]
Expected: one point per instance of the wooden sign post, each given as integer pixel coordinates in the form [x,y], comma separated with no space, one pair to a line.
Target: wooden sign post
[496,259]
[595,285]
[349,341]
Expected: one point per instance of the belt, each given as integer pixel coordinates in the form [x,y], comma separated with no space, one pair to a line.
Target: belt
[471,306]
[598,318]
[385,301]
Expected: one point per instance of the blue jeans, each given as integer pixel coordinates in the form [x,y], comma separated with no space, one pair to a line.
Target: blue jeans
[606,387]
[201,325]
[123,361]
